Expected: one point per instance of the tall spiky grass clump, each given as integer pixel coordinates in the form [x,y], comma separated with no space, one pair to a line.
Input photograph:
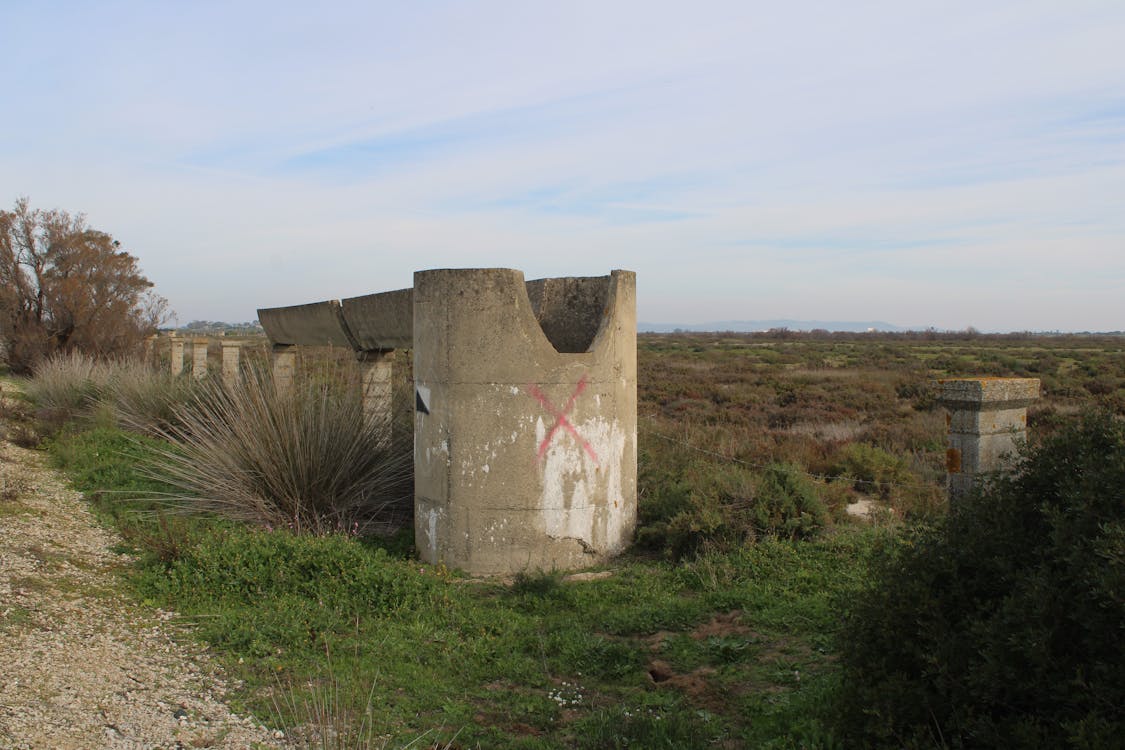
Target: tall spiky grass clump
[145,399]
[67,385]
[305,458]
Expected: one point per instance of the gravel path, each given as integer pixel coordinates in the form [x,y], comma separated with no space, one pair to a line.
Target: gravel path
[80,666]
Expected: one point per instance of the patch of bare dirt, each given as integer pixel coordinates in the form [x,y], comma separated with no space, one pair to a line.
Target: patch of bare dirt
[721,626]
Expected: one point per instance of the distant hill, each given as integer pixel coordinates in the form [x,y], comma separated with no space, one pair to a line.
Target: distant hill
[749,326]
[219,328]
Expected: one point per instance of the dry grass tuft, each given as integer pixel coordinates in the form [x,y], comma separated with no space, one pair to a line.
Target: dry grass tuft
[144,399]
[306,458]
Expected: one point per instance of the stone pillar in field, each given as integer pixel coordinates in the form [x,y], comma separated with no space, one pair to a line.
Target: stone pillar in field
[525,437]
[177,355]
[314,324]
[284,364]
[987,422]
[379,324]
[376,370]
[199,358]
[232,356]
[150,349]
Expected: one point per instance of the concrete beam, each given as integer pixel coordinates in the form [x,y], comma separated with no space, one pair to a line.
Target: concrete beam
[987,422]
[314,324]
[378,322]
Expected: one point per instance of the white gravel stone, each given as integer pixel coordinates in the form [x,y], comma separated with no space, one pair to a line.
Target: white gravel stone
[80,665]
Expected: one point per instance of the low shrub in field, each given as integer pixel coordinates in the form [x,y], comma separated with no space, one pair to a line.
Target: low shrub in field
[874,470]
[727,505]
[306,458]
[1002,626]
[787,504]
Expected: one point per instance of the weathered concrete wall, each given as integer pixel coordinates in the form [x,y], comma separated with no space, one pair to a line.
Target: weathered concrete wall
[987,422]
[525,455]
[314,324]
[177,355]
[378,322]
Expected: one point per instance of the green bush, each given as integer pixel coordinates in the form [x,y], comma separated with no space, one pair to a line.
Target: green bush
[1002,626]
[730,505]
[787,504]
[874,470]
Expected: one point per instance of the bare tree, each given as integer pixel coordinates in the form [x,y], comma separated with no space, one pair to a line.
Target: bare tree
[65,287]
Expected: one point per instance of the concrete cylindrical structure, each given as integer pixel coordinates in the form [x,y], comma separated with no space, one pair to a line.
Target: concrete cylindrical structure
[525,419]
[177,355]
[232,356]
[987,422]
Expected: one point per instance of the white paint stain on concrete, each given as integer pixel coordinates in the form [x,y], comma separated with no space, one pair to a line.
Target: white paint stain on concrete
[582,498]
[433,517]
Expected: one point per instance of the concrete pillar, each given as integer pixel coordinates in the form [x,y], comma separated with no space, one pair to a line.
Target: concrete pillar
[150,349]
[376,371]
[284,366]
[177,355]
[525,441]
[199,358]
[987,420]
[232,355]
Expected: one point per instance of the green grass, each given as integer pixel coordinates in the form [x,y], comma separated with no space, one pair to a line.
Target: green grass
[540,663]
[728,640]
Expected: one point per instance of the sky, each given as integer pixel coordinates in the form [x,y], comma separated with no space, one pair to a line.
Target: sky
[946,164]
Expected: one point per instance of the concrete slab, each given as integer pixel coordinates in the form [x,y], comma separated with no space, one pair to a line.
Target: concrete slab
[313,324]
[380,321]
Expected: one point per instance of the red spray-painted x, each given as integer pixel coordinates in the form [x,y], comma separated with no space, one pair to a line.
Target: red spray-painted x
[561,420]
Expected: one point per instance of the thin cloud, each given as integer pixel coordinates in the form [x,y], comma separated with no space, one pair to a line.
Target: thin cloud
[929,163]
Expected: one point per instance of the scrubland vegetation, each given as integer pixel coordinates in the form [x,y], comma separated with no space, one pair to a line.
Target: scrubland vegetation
[754,610]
